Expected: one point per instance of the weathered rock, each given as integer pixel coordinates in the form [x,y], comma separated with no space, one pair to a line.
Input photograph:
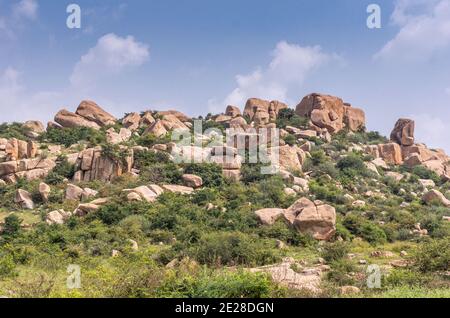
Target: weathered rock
[308,279]
[94,113]
[9,167]
[395,175]
[403,132]
[57,217]
[269,216]
[146,120]
[73,192]
[233,111]
[192,181]
[44,191]
[425,183]
[144,192]
[71,120]
[175,113]
[178,189]
[331,113]
[114,138]
[313,218]
[272,108]
[24,199]
[391,153]
[34,128]
[131,121]
[156,189]
[85,209]
[157,128]
[436,196]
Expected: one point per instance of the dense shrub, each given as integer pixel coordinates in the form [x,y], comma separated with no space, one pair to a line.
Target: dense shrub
[335,251]
[210,173]
[287,117]
[71,136]
[231,248]
[14,130]
[433,255]
[63,170]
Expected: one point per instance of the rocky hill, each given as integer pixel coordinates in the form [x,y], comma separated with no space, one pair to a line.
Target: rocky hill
[158,204]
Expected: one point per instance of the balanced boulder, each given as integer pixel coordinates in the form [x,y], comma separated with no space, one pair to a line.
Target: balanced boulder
[403,132]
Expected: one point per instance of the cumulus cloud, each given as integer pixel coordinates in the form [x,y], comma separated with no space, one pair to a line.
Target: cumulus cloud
[290,65]
[26,9]
[111,55]
[431,130]
[424,30]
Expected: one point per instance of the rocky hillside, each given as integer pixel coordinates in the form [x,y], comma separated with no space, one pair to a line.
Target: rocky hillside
[145,213]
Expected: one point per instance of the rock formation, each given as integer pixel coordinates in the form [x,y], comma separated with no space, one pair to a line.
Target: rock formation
[331,113]
[403,132]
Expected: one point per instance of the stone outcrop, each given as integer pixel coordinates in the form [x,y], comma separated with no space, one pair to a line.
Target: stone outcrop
[331,113]
[314,218]
[34,128]
[178,189]
[391,153]
[115,138]
[68,119]
[94,113]
[92,165]
[233,111]
[141,193]
[29,169]
[266,109]
[44,191]
[131,121]
[403,132]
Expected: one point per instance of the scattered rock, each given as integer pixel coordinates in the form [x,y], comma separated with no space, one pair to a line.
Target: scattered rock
[192,181]
[436,196]
[24,199]
[269,216]
[44,191]
[178,189]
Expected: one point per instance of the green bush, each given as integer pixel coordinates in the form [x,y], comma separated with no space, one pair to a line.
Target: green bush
[14,130]
[352,165]
[7,266]
[12,225]
[433,256]
[210,173]
[63,170]
[335,251]
[232,248]
[71,136]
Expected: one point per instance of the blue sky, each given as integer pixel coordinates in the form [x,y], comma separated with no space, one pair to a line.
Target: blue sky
[199,55]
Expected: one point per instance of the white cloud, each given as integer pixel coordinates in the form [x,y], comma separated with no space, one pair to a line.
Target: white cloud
[432,130]
[111,55]
[424,30]
[290,65]
[26,9]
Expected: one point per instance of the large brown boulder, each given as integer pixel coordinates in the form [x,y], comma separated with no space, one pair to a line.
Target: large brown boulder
[269,216]
[233,111]
[316,219]
[272,108]
[403,132]
[34,128]
[179,115]
[70,120]
[24,199]
[92,112]
[331,113]
[131,121]
[391,153]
